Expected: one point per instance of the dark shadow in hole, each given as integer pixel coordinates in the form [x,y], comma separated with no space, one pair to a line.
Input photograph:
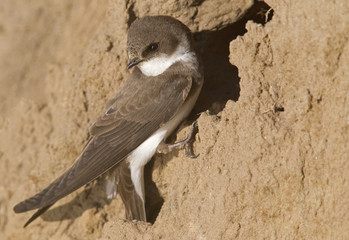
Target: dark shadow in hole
[221,78]
[221,84]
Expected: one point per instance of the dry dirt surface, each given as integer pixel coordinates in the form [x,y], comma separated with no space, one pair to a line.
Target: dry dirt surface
[273,119]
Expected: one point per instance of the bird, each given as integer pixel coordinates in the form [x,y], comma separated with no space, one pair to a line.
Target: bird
[165,80]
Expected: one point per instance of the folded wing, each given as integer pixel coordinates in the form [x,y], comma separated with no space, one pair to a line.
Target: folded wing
[129,121]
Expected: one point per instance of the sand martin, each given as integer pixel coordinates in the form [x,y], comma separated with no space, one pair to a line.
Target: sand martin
[159,93]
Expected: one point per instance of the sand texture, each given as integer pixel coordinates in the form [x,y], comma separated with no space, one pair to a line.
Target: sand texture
[273,119]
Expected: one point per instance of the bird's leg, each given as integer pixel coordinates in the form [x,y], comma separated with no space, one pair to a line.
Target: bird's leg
[165,148]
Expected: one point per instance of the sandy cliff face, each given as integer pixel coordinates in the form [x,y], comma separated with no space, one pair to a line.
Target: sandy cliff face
[273,119]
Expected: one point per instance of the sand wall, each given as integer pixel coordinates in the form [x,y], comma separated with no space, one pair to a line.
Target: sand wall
[273,119]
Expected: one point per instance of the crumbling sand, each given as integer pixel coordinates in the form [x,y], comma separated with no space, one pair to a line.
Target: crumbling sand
[273,123]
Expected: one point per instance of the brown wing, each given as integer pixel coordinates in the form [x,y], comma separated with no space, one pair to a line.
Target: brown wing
[138,111]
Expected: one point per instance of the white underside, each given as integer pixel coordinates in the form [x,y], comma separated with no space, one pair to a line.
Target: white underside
[144,152]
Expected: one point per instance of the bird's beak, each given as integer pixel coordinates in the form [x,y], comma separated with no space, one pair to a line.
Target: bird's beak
[133,62]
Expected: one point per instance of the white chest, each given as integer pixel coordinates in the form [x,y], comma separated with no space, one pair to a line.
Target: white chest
[144,152]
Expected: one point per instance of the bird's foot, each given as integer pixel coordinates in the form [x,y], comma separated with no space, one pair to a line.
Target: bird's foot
[166,148]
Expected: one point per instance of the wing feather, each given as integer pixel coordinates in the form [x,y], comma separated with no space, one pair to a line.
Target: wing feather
[131,119]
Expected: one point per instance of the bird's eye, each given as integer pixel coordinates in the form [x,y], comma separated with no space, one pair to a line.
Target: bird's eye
[152,47]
